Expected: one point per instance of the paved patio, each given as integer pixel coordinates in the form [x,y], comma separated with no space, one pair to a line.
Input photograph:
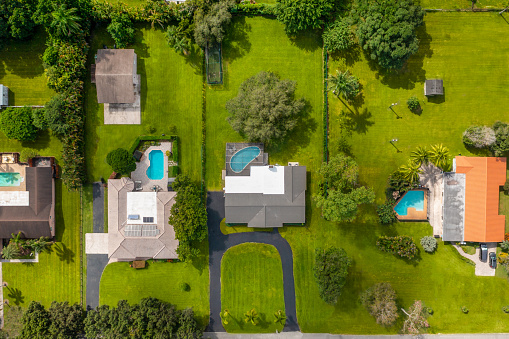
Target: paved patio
[140,174]
[482,269]
[431,177]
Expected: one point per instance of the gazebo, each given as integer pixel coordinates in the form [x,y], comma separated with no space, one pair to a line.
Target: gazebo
[434,87]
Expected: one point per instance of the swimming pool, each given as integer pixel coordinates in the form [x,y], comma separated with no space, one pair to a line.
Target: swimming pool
[156,169]
[243,157]
[413,199]
[10,179]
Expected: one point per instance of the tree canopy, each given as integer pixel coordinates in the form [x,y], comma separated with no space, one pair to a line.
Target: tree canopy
[338,36]
[387,30]
[380,301]
[121,161]
[188,217]
[210,22]
[16,123]
[344,84]
[265,108]
[330,270]
[299,15]
[121,30]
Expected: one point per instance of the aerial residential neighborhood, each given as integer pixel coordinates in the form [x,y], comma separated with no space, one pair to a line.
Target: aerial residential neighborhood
[249,168]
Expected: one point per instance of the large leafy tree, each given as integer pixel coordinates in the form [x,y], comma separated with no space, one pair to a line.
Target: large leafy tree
[501,145]
[210,22]
[16,123]
[66,320]
[65,21]
[340,194]
[121,30]
[265,108]
[387,30]
[36,322]
[338,36]
[121,161]
[188,217]
[330,271]
[380,301]
[299,15]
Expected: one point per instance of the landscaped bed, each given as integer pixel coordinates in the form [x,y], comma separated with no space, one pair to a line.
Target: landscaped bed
[252,277]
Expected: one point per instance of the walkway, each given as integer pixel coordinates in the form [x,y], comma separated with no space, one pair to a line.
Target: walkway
[96,262]
[219,243]
[482,269]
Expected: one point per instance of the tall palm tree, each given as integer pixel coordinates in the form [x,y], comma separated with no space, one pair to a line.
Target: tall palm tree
[65,21]
[410,172]
[344,84]
[251,317]
[439,156]
[181,45]
[280,317]
[420,155]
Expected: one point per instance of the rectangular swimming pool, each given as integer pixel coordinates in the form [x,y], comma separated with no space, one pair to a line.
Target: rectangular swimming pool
[10,179]
[411,199]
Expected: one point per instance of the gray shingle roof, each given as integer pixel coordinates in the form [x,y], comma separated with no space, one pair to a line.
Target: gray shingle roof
[114,75]
[434,87]
[454,206]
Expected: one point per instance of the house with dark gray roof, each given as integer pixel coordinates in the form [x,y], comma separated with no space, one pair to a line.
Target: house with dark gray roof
[29,208]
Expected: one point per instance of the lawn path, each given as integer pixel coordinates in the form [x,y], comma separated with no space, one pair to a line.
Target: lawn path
[220,243]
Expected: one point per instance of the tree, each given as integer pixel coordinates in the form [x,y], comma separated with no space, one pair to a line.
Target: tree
[386,214]
[65,22]
[410,172]
[429,243]
[386,29]
[209,25]
[479,136]
[265,108]
[280,317]
[121,30]
[439,156]
[11,251]
[299,15]
[338,206]
[416,322]
[20,21]
[66,320]
[344,84]
[401,245]
[121,161]
[341,172]
[420,155]
[251,316]
[413,104]
[16,123]
[36,322]
[177,40]
[188,217]
[330,271]
[501,145]
[338,36]
[380,301]
[54,115]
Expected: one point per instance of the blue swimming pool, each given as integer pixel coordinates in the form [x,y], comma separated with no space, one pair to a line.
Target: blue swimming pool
[10,179]
[413,199]
[156,169]
[243,157]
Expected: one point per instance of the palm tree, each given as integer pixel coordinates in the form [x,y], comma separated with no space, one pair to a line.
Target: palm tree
[12,251]
[344,84]
[224,316]
[280,317]
[251,316]
[439,156]
[410,172]
[181,45]
[65,21]
[420,155]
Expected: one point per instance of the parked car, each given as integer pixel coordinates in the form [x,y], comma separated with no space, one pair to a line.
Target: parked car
[493,260]
[483,252]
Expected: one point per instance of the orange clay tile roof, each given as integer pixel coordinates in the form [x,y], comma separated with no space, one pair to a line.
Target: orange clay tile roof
[484,176]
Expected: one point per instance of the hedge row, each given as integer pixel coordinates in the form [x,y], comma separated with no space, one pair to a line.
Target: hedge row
[160,12]
[325,106]
[255,9]
[141,138]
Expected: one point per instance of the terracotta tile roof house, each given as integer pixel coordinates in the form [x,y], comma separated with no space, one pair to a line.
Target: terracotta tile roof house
[475,212]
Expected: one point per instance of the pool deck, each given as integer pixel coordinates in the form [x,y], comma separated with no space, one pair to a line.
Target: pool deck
[432,178]
[234,147]
[140,174]
[14,168]
[412,213]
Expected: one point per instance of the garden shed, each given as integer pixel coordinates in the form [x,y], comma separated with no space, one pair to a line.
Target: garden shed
[434,87]
[4,98]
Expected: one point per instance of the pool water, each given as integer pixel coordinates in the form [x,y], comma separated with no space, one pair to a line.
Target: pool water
[156,169]
[413,199]
[10,179]
[242,158]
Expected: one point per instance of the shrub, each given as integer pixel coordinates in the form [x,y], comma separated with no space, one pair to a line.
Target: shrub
[121,161]
[330,271]
[338,36]
[479,136]
[413,104]
[429,310]
[16,123]
[402,246]
[464,309]
[380,301]
[503,258]
[54,114]
[184,287]
[429,243]
[506,236]
[150,129]
[39,118]
[27,153]
[386,214]
[501,144]
[121,30]
[505,309]
[505,246]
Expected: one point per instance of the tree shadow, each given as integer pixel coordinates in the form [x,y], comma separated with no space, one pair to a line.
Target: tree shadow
[356,121]
[195,59]
[236,43]
[350,55]
[64,253]
[41,142]
[307,40]
[15,295]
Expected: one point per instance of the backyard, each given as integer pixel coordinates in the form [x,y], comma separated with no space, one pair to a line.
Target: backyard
[246,284]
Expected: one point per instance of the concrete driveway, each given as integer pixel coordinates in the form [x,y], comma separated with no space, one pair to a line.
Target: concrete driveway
[481,268]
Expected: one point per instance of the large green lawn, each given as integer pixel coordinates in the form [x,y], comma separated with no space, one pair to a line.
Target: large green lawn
[252,277]
[171,87]
[162,281]
[472,96]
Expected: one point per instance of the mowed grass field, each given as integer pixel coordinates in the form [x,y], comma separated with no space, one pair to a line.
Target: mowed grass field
[259,44]
[474,93]
[160,280]
[252,277]
[171,87]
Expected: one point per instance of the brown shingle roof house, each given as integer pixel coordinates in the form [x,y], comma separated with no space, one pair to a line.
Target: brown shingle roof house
[115,76]
[30,211]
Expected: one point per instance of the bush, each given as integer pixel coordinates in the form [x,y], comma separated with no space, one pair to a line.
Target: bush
[402,246]
[39,118]
[16,123]
[506,236]
[184,287]
[505,246]
[501,144]
[505,309]
[27,153]
[503,258]
[429,243]
[413,104]
[380,301]
[464,309]
[150,129]
[338,36]
[121,30]
[121,161]
[330,271]
[386,214]
[54,114]
[479,136]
